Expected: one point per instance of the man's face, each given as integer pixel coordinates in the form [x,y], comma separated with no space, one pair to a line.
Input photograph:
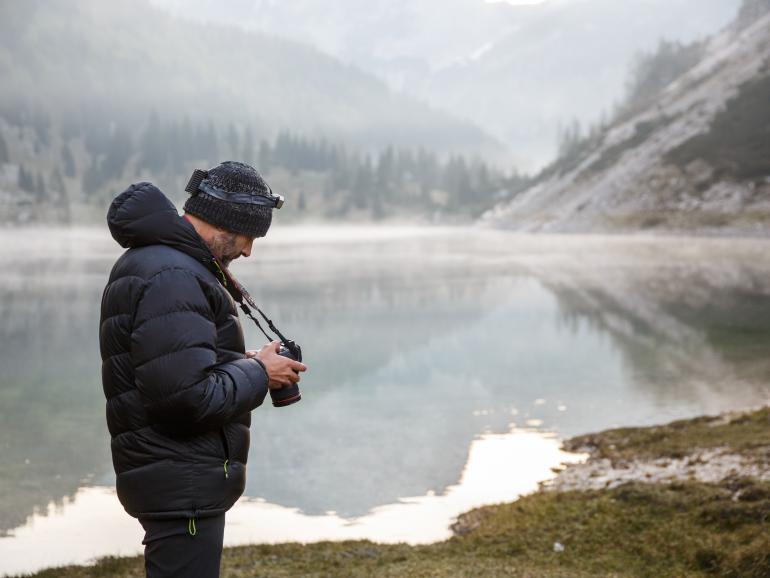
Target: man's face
[227,246]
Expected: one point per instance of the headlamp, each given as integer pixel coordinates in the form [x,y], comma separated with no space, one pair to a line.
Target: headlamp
[198,183]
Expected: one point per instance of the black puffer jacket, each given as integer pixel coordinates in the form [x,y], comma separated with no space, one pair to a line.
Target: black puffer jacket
[179,388]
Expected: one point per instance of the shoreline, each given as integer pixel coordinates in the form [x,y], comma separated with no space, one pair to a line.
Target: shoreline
[688,498]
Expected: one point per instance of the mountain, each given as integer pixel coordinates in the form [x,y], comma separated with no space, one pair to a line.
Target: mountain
[695,160]
[519,72]
[120,60]
[565,60]
[399,40]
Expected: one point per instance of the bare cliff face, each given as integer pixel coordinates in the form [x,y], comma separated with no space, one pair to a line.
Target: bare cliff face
[697,160]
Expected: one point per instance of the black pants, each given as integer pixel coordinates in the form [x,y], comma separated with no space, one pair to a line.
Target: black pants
[183,548]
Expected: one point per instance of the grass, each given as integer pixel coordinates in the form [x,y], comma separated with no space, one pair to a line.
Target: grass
[636,530]
[746,434]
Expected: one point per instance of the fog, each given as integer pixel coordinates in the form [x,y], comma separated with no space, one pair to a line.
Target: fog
[519,70]
[375,110]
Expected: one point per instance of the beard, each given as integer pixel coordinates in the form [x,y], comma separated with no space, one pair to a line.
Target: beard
[222,246]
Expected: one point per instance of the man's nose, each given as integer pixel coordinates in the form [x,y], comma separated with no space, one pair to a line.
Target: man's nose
[246,251]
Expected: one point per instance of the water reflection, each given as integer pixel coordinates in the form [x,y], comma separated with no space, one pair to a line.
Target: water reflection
[52,432]
[418,342]
[92,524]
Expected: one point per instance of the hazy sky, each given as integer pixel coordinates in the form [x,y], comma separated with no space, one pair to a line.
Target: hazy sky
[518,73]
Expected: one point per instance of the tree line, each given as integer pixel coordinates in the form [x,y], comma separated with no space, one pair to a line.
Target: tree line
[327,176]
[649,75]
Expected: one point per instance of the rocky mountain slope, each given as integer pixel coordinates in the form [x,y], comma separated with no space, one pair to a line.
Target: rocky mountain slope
[697,160]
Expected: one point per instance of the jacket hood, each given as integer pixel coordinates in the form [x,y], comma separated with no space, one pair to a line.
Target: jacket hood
[142,215]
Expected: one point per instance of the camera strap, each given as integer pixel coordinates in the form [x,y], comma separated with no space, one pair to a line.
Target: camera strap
[245,302]
[240,295]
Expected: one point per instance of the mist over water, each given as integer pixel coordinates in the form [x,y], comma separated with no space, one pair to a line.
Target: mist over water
[421,344]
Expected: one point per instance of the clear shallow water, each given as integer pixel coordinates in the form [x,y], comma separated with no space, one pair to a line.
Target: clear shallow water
[426,348]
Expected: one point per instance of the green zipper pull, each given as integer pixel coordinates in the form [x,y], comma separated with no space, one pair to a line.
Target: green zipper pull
[226,474]
[191,527]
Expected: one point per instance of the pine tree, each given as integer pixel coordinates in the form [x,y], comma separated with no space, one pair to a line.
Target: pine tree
[285,151]
[325,156]
[186,141]
[175,152]
[153,150]
[385,170]
[26,181]
[265,157]
[93,179]
[119,150]
[61,195]
[57,183]
[97,137]
[481,180]
[248,147]
[41,123]
[363,184]
[232,140]
[752,10]
[68,160]
[204,144]
[4,156]
[40,191]
[428,171]
[71,127]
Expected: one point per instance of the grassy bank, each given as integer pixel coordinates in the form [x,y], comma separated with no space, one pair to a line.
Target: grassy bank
[744,434]
[685,528]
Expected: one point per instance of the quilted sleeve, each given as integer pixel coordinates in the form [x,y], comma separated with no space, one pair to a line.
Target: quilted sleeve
[173,352]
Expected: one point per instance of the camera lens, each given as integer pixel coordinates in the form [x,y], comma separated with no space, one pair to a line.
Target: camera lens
[286,395]
[289,394]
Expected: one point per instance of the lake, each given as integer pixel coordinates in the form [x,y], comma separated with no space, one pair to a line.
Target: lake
[445,364]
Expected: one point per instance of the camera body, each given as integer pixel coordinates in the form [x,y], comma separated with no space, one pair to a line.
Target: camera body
[289,394]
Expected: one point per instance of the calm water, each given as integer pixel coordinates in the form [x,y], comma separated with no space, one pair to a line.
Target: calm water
[445,365]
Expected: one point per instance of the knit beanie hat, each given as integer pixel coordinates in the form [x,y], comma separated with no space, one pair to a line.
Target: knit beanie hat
[238,217]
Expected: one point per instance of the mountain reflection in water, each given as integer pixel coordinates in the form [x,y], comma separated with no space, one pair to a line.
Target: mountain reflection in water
[418,342]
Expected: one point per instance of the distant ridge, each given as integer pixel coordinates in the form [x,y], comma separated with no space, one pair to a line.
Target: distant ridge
[131,58]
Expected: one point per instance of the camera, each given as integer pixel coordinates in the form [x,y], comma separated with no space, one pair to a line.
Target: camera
[289,394]
[286,395]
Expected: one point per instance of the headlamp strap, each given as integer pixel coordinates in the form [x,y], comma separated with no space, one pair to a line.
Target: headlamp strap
[199,184]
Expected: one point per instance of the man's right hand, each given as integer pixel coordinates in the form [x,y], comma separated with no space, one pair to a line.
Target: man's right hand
[281,371]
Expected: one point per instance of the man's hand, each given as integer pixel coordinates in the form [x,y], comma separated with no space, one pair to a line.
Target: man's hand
[281,371]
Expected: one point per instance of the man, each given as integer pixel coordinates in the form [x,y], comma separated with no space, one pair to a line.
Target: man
[179,384]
